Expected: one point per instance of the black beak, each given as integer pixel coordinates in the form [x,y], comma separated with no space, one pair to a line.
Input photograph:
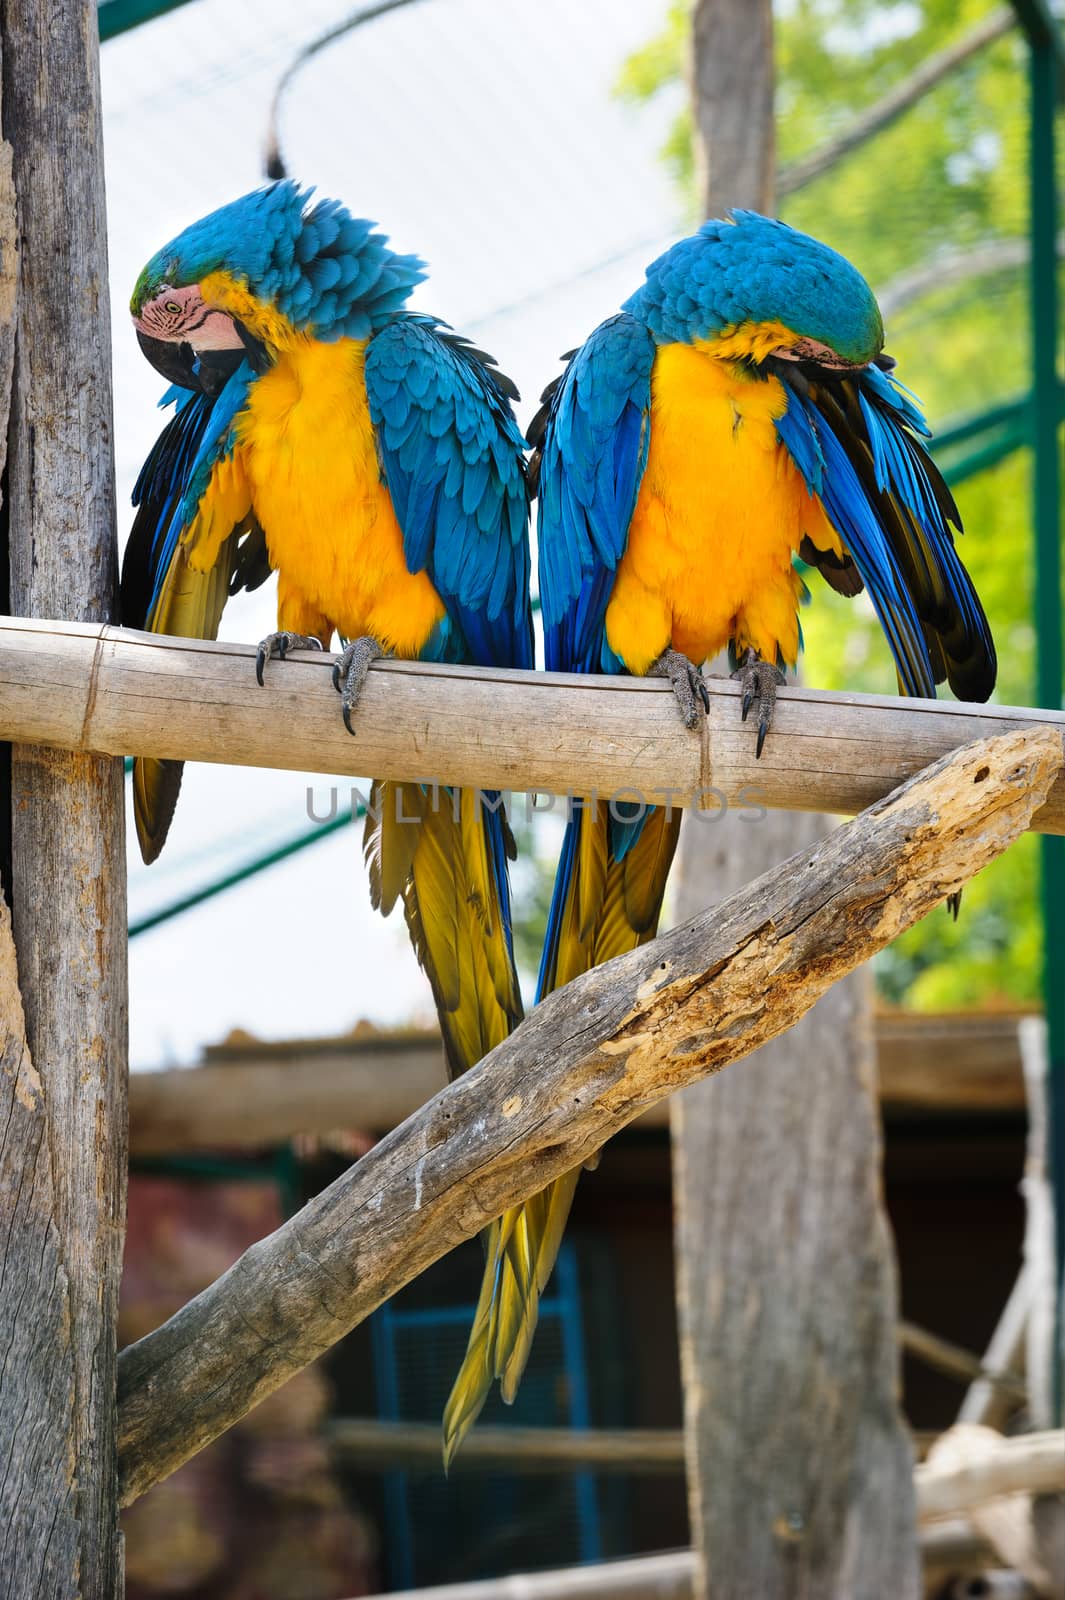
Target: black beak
[206,371]
[174,361]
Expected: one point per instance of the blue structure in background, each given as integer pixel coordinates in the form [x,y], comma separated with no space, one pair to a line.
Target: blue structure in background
[416,1352]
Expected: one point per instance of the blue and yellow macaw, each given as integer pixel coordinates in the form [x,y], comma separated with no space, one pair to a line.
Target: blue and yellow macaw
[371,458]
[736,414]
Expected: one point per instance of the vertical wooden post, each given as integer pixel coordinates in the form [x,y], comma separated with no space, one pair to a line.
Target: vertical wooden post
[732,87]
[62,1166]
[800,1471]
[799,1468]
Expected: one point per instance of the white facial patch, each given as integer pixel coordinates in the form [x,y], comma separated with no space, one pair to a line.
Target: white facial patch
[180,316]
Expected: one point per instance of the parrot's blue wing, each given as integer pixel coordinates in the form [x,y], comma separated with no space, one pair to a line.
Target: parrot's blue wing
[172,486]
[589,452]
[857,442]
[453,461]
[452,458]
[591,443]
[190,471]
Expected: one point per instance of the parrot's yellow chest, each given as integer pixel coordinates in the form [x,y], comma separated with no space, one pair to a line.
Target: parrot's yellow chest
[720,512]
[308,451]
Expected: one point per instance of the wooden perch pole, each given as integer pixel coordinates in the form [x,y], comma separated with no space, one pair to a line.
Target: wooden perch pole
[63,1148]
[117,692]
[584,1064]
[383,1446]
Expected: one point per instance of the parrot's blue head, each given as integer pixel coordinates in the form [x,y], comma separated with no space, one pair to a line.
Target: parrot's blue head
[265,268]
[754,287]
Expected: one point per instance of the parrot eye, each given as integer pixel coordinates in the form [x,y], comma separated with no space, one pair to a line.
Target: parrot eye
[171,306]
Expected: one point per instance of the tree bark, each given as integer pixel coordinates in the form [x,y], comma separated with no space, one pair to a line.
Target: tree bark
[584,1064]
[800,1471]
[799,1467]
[732,84]
[58,1504]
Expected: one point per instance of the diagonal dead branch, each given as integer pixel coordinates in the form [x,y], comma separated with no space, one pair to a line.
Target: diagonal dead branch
[586,1062]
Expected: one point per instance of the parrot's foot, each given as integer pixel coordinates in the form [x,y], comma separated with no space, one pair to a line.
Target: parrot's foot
[349,673]
[689,686]
[760,681]
[279,645]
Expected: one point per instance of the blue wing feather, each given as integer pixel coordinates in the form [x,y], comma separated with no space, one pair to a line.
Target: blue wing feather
[592,439]
[592,458]
[857,442]
[172,483]
[452,457]
[176,474]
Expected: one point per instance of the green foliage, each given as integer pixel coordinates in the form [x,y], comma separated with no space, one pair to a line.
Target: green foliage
[949,175]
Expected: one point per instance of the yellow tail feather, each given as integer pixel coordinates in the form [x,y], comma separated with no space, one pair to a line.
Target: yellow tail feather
[611,907]
[190,604]
[431,848]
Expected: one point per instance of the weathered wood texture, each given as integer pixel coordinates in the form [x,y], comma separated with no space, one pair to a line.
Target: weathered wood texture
[118,692]
[581,1066]
[38,1502]
[799,1466]
[9,273]
[254,1094]
[732,83]
[58,1504]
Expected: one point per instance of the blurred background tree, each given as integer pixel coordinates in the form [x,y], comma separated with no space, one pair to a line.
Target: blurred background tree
[948,178]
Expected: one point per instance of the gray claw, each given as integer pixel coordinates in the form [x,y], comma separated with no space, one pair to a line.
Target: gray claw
[280,644]
[349,673]
[689,687]
[760,681]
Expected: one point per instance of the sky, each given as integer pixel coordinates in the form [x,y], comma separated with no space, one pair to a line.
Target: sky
[485,136]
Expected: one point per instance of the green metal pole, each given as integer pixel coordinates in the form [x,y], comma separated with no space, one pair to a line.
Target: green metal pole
[119,16]
[229,880]
[1048,603]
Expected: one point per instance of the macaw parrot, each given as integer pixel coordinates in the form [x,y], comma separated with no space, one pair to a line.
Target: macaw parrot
[371,457]
[736,414]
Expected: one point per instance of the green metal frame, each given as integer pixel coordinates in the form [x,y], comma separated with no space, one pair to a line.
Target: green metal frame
[991,436]
[1046,76]
[119,16]
[241,874]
